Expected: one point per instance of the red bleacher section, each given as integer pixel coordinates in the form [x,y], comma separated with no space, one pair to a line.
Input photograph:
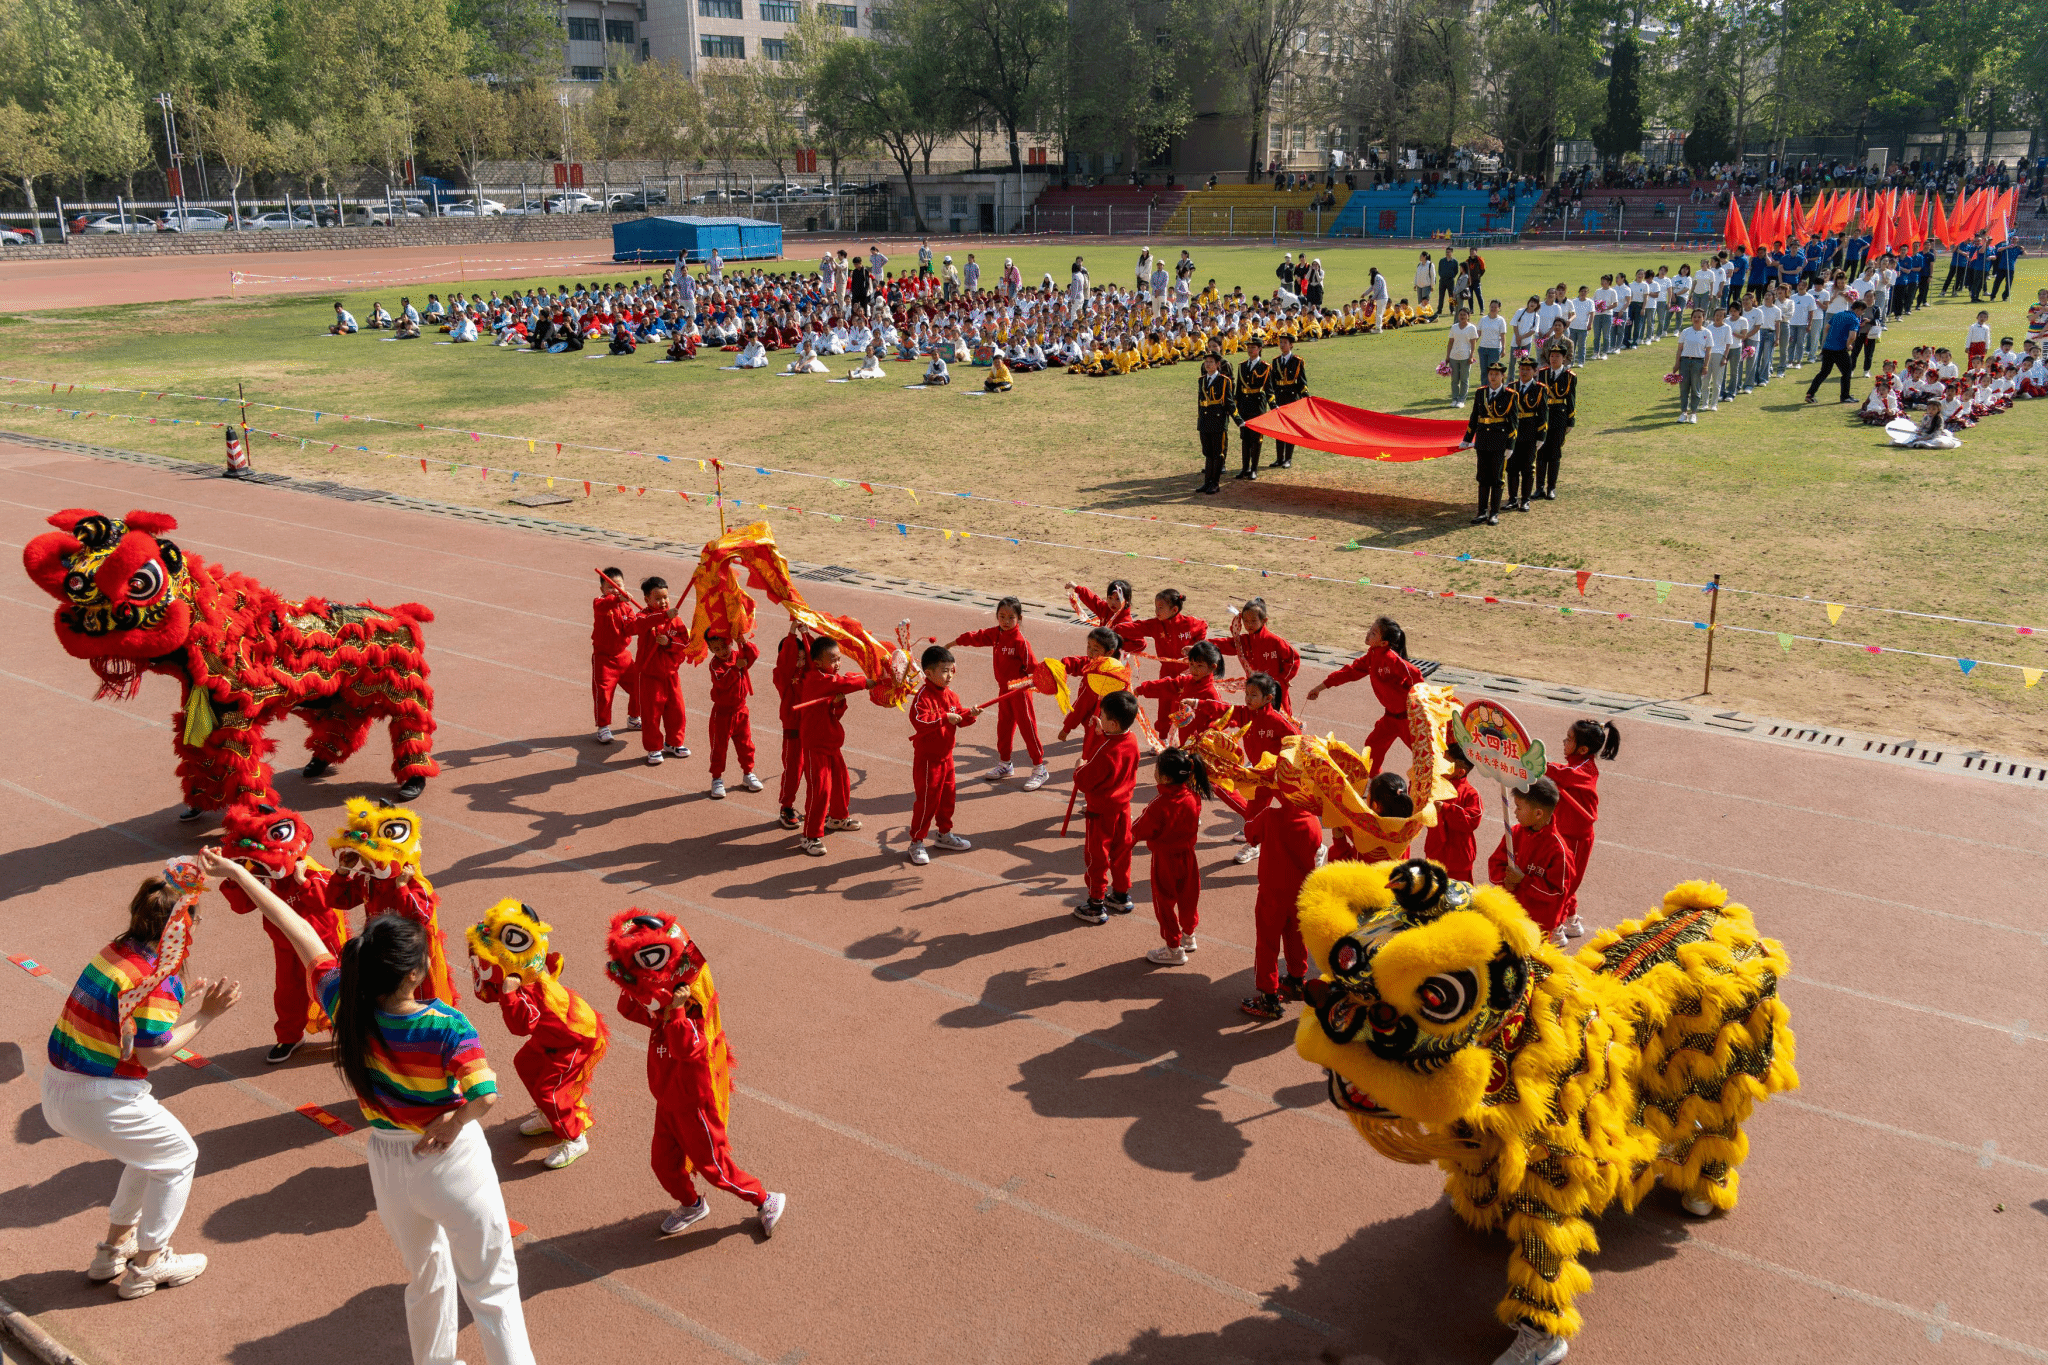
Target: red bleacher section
[1103,209]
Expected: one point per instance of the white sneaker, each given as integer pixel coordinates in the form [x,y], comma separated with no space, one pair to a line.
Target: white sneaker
[1322,854]
[1168,955]
[771,1212]
[1558,940]
[168,1271]
[603,735]
[685,1215]
[1188,944]
[1575,927]
[534,1124]
[718,789]
[919,854]
[814,848]
[1246,854]
[679,751]
[752,784]
[998,773]
[1698,1205]
[1533,1347]
[848,823]
[654,759]
[948,839]
[565,1152]
[108,1260]
[1040,775]
[632,722]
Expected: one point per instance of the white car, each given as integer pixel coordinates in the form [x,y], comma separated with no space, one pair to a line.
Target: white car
[194,220]
[114,222]
[16,237]
[264,222]
[573,202]
[489,208]
[530,208]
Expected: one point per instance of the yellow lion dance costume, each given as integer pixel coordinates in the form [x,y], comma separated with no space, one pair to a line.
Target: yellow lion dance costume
[1546,1087]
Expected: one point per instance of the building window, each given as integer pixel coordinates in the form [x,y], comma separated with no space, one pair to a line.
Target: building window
[619,31]
[718,9]
[586,73]
[735,48]
[848,16]
[959,205]
[934,206]
[585,31]
[646,49]
[778,11]
[775,49]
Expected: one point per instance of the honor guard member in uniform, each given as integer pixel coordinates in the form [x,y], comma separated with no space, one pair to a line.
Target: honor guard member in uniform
[1531,411]
[1289,381]
[1212,420]
[1490,430]
[1562,386]
[1253,376]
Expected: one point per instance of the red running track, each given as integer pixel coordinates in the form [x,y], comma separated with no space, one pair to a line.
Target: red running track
[1004,1136]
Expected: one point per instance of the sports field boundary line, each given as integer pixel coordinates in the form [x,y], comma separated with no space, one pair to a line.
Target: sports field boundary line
[1679,712]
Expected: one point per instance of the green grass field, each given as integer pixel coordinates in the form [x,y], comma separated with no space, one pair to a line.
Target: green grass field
[1774,496]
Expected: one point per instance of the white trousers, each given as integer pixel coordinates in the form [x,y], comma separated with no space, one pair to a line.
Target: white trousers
[447,1216]
[123,1119]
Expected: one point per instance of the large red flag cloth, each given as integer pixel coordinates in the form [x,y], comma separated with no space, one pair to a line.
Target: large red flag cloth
[1342,429]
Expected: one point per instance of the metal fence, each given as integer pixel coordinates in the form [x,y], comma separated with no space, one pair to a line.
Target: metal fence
[1109,220]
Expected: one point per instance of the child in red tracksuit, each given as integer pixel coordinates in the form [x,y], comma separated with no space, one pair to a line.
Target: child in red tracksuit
[663,726]
[1289,838]
[1454,843]
[1269,726]
[731,723]
[1386,795]
[565,1040]
[936,716]
[1385,661]
[1105,781]
[1168,828]
[611,656]
[790,657]
[826,784]
[1103,643]
[1259,650]
[1169,633]
[1540,874]
[1017,714]
[1578,806]
[1188,701]
[1112,610]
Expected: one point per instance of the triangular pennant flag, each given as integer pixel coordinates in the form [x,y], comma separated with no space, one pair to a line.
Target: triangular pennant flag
[1835,610]
[1583,576]
[586,488]
[529,447]
[1966,665]
[551,480]
[867,488]
[1784,642]
[2032,675]
[1513,567]
[423,463]
[1663,591]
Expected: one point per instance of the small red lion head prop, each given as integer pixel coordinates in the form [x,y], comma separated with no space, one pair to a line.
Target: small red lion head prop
[649,954]
[126,591]
[265,839]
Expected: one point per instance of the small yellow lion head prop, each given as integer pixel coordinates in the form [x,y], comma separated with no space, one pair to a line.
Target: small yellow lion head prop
[378,841]
[509,949]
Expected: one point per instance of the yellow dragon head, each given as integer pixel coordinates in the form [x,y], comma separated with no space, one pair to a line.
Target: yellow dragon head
[379,841]
[509,948]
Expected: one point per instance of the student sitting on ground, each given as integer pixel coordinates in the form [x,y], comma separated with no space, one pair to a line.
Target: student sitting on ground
[753,355]
[682,346]
[936,373]
[998,380]
[806,362]
[379,319]
[463,329]
[407,328]
[870,366]
[344,322]
[622,340]
[435,312]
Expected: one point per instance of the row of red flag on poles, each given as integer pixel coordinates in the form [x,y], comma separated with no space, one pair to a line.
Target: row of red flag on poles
[1890,218]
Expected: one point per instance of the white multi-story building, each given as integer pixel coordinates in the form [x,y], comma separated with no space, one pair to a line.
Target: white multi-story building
[688,32]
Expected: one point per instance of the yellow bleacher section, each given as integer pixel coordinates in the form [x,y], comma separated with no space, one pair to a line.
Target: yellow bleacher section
[1252,211]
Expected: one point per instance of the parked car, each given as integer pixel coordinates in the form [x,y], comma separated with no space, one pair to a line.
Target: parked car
[526,209]
[634,201]
[16,237]
[472,208]
[574,201]
[194,220]
[265,222]
[99,223]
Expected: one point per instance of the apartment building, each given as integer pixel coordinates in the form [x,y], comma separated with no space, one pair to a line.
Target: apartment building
[689,32]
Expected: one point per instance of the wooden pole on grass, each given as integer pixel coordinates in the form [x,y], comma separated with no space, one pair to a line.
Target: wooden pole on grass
[718,474]
[1713,612]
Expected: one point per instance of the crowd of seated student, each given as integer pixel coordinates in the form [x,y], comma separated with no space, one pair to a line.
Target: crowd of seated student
[1954,399]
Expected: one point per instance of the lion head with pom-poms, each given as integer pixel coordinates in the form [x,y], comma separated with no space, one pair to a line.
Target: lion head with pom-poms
[1545,1087]
[125,590]
[266,839]
[509,948]
[649,954]
[378,841]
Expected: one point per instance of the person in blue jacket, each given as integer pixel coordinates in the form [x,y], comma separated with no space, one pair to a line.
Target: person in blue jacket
[2005,259]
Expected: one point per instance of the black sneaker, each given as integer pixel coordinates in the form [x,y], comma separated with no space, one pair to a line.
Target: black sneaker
[1479,520]
[786,817]
[1091,912]
[315,769]
[1548,495]
[1119,905]
[410,789]
[1265,1007]
[1290,987]
[1493,519]
[191,813]
[282,1052]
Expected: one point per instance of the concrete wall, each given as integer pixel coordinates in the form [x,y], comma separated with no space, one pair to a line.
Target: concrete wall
[572,227]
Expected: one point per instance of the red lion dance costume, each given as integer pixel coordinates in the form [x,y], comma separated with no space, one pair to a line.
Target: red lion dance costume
[244,657]
[272,843]
[511,964]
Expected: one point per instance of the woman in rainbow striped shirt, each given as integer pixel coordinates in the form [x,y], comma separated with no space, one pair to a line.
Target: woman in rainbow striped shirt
[96,1088]
[418,1073]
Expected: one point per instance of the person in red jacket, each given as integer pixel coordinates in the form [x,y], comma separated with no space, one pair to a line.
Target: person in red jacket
[731,721]
[826,784]
[1291,837]
[1169,633]
[1533,863]
[1578,806]
[611,655]
[1168,828]
[1112,610]
[1103,643]
[1189,700]
[936,715]
[664,726]
[1258,650]
[1017,713]
[1105,781]
[512,967]
[272,844]
[1387,795]
[1454,842]
[1385,661]
[790,658]
[1269,725]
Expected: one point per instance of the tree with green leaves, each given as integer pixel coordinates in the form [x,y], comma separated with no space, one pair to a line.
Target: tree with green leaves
[230,131]
[464,122]
[1712,139]
[894,91]
[835,128]
[1003,53]
[1258,41]
[28,152]
[732,113]
[1620,130]
[1131,73]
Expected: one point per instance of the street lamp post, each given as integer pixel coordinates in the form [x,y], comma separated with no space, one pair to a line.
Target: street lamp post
[177,177]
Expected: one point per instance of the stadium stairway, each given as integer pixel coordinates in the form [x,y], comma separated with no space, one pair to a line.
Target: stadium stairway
[1253,211]
[1103,209]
